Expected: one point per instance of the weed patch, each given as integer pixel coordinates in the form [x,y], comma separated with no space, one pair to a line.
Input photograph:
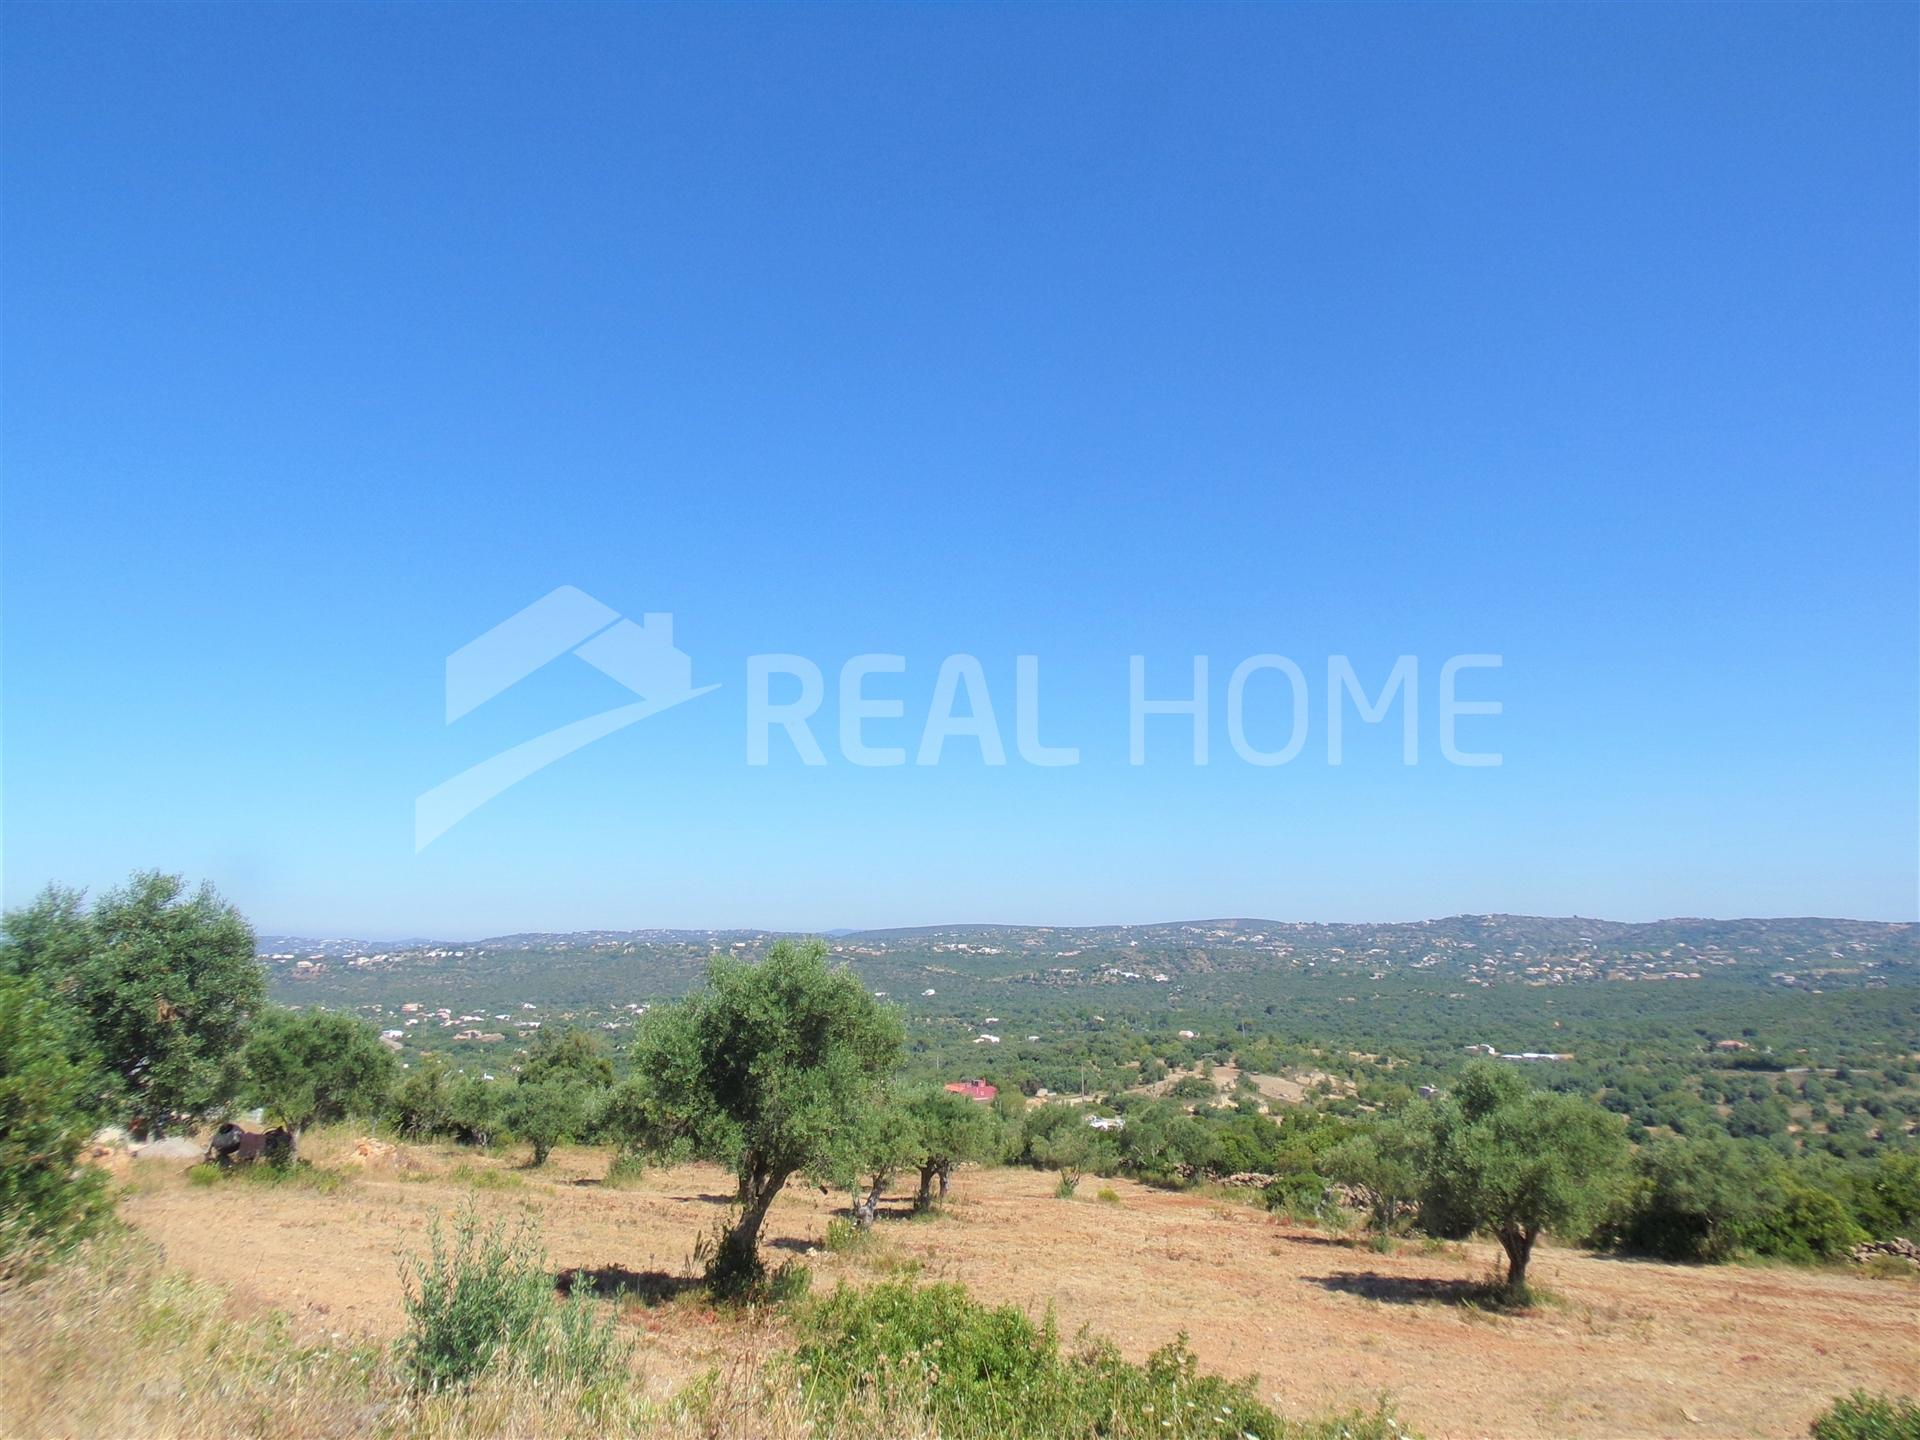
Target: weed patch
[482,1298]
[977,1371]
[1864,1416]
[301,1175]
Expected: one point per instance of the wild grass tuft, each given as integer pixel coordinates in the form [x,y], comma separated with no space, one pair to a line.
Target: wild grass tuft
[485,1297]
[302,1175]
[485,1177]
[975,1371]
[1861,1415]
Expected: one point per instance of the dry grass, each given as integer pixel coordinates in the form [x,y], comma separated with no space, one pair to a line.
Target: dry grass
[117,1344]
[114,1344]
[1629,1349]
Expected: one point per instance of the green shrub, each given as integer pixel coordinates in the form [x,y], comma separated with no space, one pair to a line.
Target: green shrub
[1862,1416]
[789,1284]
[1891,1205]
[421,1106]
[1716,1199]
[46,1116]
[544,1113]
[1693,1200]
[843,1235]
[1066,1185]
[484,1177]
[1108,1195]
[317,1067]
[300,1174]
[627,1169]
[1808,1224]
[1297,1191]
[979,1371]
[485,1298]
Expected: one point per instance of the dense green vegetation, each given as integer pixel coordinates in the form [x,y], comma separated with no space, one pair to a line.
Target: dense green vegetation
[1727,1120]
[979,1371]
[1864,1416]
[1699,1121]
[315,1068]
[47,1111]
[162,986]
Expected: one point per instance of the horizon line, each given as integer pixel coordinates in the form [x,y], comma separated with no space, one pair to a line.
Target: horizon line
[837,932]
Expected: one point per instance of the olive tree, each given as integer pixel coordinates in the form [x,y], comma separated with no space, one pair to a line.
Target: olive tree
[316,1067]
[1516,1161]
[544,1113]
[1073,1149]
[162,983]
[570,1055]
[885,1140]
[419,1105]
[48,1106]
[949,1129]
[767,1070]
[1382,1167]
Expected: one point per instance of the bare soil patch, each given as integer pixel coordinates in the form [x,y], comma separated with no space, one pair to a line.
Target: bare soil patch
[1626,1348]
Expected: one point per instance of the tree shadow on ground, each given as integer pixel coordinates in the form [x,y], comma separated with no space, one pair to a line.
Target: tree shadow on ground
[1332,1242]
[616,1282]
[1414,1289]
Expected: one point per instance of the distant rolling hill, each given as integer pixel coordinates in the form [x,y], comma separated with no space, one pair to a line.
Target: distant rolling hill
[595,965]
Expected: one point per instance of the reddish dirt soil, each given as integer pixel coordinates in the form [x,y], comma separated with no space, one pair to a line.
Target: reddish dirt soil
[1625,1348]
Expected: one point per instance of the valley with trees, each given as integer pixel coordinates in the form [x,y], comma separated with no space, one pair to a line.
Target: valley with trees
[889,1145]
[914,721]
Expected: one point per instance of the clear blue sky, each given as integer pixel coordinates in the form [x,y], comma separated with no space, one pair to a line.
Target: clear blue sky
[1584,336]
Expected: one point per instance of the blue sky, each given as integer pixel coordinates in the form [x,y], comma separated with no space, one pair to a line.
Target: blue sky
[1581,336]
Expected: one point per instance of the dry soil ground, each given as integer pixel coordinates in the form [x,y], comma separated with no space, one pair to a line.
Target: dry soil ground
[1626,1349]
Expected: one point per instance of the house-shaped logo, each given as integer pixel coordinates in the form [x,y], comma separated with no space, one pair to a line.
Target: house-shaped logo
[642,658]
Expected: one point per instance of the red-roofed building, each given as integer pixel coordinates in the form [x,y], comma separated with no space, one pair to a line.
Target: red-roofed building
[975,1090]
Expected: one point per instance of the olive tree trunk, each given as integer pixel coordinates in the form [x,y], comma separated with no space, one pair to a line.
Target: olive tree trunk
[736,1261]
[1517,1241]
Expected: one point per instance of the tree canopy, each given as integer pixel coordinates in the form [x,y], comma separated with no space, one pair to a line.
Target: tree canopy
[948,1130]
[766,1070]
[163,984]
[1518,1162]
[314,1067]
[570,1055]
[886,1138]
[48,1104]
[545,1112]
[1382,1166]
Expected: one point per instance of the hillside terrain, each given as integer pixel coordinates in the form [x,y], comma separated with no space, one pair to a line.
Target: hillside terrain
[1787,1029]
[1624,1348]
[1475,949]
